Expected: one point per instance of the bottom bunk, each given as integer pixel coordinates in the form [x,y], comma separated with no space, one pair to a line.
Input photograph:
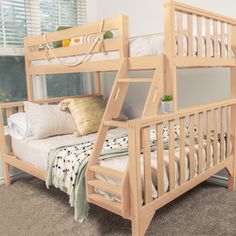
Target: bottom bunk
[59,156]
[142,167]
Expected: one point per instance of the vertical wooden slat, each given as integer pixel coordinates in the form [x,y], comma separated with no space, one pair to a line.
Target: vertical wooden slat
[180,33]
[29,78]
[222,134]
[147,165]
[216,38]
[190,35]
[135,175]
[191,151]
[222,39]
[97,83]
[208,37]
[160,160]
[182,150]
[208,148]
[199,35]
[215,155]
[9,112]
[200,142]
[229,40]
[171,155]
[20,109]
[228,131]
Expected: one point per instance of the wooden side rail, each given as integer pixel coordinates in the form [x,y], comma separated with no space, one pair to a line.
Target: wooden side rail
[36,50]
[35,46]
[201,142]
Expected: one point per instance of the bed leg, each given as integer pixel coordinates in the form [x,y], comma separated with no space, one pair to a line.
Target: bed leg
[232,179]
[231,183]
[6,173]
[140,226]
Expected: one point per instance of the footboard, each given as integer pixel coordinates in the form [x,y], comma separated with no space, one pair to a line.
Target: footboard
[196,143]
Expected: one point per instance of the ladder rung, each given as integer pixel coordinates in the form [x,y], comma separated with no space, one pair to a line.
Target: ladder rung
[99,200]
[106,171]
[135,80]
[116,123]
[116,190]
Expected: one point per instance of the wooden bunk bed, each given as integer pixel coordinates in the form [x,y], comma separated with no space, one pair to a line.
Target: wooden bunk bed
[220,117]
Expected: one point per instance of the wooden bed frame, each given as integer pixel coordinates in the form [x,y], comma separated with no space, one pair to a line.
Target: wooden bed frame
[219,116]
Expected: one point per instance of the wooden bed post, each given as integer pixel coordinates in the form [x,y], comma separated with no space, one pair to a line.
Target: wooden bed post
[3,151]
[29,79]
[140,222]
[232,176]
[135,179]
[170,67]
[97,82]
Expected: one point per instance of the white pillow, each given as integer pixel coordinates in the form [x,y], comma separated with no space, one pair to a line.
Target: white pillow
[48,120]
[19,126]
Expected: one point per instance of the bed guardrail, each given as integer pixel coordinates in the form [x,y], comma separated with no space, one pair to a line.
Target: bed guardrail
[200,151]
[198,37]
[36,47]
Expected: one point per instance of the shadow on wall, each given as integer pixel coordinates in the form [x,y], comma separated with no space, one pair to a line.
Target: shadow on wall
[194,87]
[199,86]
[136,96]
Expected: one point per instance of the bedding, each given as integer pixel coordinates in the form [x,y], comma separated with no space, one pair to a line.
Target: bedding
[48,120]
[66,150]
[19,127]
[150,45]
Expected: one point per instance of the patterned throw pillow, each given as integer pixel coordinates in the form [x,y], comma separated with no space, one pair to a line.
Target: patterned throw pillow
[87,113]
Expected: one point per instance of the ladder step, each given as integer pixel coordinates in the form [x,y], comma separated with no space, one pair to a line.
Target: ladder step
[116,190]
[99,200]
[135,80]
[116,123]
[106,171]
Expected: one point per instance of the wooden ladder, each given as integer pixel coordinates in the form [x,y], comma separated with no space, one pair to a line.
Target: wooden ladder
[112,111]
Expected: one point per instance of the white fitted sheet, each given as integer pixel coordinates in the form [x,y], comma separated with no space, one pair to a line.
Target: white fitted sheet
[150,45]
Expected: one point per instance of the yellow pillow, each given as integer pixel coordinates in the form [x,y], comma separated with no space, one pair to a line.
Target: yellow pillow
[87,113]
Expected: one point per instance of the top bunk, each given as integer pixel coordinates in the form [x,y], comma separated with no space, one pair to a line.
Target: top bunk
[193,38]
[198,38]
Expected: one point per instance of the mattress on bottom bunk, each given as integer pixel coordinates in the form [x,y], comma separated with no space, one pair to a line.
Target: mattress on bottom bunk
[36,152]
[150,45]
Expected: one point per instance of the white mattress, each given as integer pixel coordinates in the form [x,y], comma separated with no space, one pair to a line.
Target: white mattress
[142,46]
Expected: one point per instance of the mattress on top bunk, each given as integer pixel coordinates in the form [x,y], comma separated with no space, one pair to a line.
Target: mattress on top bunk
[150,45]
[36,152]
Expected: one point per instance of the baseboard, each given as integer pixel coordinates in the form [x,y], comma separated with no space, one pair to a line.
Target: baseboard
[14,177]
[219,180]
